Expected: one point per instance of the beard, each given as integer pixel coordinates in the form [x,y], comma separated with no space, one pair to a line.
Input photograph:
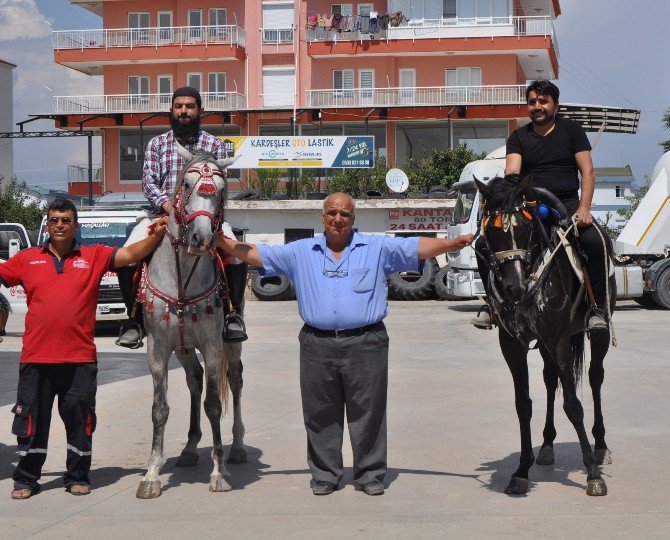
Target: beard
[548,118]
[185,131]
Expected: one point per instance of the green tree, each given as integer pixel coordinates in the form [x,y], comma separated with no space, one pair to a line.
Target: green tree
[666,125]
[356,182]
[16,206]
[267,181]
[635,199]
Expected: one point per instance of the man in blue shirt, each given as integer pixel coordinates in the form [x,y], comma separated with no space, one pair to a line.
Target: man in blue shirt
[340,285]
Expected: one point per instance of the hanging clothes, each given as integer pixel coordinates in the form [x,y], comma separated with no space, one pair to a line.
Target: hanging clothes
[374,22]
[328,22]
[337,22]
[365,23]
[311,22]
[384,21]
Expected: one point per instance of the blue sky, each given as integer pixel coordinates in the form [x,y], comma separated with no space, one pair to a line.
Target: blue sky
[613,52]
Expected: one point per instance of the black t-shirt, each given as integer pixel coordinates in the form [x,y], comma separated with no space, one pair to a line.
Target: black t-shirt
[551,158]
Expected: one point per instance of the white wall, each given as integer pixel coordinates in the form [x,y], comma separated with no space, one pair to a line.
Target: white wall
[6,122]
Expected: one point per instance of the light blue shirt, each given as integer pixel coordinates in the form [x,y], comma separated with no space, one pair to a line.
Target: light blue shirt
[354,293]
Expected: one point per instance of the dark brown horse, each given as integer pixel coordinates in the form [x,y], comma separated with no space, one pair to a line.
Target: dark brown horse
[536,297]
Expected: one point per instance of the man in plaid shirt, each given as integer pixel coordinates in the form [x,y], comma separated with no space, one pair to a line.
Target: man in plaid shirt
[162,165]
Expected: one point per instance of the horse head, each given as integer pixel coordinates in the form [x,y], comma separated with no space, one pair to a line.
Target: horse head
[507,228]
[199,198]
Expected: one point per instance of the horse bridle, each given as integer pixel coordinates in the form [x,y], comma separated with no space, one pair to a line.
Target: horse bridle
[498,258]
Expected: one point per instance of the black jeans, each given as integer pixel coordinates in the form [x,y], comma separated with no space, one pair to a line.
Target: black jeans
[39,384]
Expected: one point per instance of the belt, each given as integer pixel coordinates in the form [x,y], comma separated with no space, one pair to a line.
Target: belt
[347,332]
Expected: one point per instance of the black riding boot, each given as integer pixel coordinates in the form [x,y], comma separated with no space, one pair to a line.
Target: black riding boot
[132,330]
[233,326]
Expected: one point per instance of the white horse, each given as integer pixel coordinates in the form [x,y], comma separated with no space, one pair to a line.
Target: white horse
[180,288]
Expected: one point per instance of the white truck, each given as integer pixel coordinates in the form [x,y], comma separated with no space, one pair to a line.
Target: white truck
[642,250]
[97,225]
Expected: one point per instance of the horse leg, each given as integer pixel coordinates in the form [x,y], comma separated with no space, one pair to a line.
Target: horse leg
[233,353]
[150,485]
[546,454]
[213,354]
[599,347]
[193,369]
[575,413]
[516,357]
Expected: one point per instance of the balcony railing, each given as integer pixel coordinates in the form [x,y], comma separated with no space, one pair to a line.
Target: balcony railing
[105,38]
[278,101]
[417,97]
[446,28]
[277,36]
[141,103]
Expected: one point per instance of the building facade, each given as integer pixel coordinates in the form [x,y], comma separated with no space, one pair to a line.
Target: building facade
[612,193]
[6,121]
[416,74]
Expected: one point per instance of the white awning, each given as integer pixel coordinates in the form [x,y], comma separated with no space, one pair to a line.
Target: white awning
[592,117]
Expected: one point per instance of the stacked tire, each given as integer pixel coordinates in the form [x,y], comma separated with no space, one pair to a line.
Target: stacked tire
[414,285]
[272,288]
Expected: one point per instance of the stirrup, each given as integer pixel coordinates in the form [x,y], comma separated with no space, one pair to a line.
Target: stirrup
[126,327]
[596,320]
[234,330]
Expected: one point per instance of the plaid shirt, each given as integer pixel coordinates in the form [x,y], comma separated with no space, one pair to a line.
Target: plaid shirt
[162,164]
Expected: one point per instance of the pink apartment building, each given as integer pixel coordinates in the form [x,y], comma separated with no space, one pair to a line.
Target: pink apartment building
[417,74]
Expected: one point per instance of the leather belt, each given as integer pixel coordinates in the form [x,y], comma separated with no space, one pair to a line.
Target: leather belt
[347,332]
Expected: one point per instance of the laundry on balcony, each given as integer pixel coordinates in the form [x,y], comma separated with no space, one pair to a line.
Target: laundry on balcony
[372,23]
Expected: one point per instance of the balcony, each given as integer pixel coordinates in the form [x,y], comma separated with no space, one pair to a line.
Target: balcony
[277,36]
[433,96]
[278,101]
[141,103]
[437,29]
[88,50]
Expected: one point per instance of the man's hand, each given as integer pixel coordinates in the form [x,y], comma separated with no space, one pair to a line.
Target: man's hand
[462,241]
[584,217]
[159,226]
[167,206]
[432,247]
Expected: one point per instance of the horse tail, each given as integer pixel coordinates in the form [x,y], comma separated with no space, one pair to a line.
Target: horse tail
[224,387]
[577,346]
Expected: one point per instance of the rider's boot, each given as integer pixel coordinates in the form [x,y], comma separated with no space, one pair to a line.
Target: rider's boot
[597,321]
[234,329]
[132,330]
[483,320]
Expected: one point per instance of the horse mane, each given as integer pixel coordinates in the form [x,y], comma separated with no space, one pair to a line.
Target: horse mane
[199,156]
[503,196]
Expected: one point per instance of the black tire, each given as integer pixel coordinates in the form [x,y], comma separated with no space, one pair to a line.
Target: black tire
[441,285]
[272,288]
[662,293]
[646,301]
[412,285]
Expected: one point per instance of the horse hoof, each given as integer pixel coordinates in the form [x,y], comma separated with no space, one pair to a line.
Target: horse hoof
[545,456]
[596,488]
[603,456]
[237,455]
[220,483]
[517,486]
[187,459]
[148,489]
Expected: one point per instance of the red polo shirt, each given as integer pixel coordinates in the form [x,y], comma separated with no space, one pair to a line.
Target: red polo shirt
[62,297]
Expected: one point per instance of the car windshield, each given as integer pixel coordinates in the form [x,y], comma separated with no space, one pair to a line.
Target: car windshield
[104,232]
[465,198]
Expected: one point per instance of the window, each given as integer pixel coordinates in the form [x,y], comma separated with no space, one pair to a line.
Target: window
[485,11]
[619,192]
[138,85]
[139,27]
[217,18]
[449,9]
[291,235]
[165,26]
[164,90]
[194,24]
[194,80]
[216,86]
[342,9]
[343,84]
[278,24]
[365,9]
[278,87]
[463,76]
[407,78]
[366,84]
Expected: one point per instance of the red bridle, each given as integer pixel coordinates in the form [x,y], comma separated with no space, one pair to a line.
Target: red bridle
[206,188]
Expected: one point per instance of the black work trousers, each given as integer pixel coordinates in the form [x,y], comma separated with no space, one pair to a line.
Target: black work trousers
[338,373]
[39,384]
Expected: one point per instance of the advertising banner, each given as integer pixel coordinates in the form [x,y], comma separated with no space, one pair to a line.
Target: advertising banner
[301,152]
[420,219]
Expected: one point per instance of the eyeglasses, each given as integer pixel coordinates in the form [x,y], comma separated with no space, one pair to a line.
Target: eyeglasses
[63,220]
[334,273]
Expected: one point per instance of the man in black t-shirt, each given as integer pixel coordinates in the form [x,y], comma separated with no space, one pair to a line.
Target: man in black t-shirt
[556,150]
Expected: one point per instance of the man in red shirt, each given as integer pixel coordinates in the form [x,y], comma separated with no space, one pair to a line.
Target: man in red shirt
[61,280]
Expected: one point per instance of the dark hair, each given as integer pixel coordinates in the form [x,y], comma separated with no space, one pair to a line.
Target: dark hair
[187,91]
[543,87]
[63,205]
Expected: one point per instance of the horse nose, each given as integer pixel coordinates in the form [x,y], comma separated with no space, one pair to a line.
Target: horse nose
[196,240]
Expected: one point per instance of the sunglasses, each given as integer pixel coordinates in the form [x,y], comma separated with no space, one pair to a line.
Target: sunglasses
[63,220]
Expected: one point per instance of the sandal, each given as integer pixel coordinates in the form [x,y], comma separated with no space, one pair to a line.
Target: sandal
[78,489]
[24,493]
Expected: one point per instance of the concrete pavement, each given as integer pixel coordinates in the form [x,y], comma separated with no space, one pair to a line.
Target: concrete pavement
[453,442]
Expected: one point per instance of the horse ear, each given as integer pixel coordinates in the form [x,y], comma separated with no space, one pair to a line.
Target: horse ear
[524,185]
[185,154]
[481,186]
[225,163]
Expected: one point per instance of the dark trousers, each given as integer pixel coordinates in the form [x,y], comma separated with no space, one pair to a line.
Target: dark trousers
[338,373]
[39,384]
